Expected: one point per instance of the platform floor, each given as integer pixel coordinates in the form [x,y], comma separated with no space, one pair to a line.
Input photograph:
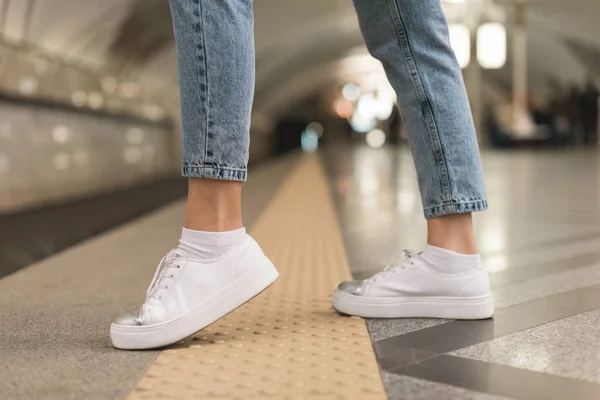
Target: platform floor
[540,240]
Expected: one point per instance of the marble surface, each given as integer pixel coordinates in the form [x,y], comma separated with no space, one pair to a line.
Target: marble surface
[567,348]
[381,329]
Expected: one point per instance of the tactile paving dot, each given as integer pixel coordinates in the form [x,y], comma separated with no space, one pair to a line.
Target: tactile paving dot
[287,343]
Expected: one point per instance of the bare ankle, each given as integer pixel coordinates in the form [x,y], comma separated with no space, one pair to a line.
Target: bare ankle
[214,205]
[452,232]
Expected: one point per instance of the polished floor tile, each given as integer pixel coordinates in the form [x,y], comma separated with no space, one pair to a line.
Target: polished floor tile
[541,268]
[547,285]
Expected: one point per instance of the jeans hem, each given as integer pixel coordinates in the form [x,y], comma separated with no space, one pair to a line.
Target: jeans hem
[214,171]
[456,207]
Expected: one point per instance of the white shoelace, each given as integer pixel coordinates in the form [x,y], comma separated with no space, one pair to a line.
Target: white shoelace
[396,265]
[163,273]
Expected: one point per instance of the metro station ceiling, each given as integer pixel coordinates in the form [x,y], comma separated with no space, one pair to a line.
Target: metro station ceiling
[295,41]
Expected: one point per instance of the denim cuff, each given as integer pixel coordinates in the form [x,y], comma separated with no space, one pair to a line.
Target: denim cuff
[214,171]
[456,207]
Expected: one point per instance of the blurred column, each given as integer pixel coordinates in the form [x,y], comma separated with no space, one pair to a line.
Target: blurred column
[473,82]
[521,120]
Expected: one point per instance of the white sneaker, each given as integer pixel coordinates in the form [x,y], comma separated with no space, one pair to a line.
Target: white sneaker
[412,289]
[188,295]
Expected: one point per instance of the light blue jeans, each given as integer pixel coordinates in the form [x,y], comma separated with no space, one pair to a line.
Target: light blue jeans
[215,46]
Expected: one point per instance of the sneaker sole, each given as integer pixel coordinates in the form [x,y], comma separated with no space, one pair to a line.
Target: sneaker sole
[213,309]
[414,307]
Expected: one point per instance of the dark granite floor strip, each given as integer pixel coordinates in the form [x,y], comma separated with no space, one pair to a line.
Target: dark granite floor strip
[500,380]
[32,235]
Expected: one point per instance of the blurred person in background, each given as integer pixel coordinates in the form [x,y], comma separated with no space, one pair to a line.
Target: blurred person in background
[588,104]
[573,113]
[217,266]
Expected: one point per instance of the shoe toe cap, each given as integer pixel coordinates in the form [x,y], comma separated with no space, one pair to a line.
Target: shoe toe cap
[351,287]
[128,319]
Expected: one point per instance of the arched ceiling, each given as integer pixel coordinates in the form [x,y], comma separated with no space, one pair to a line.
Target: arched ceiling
[299,44]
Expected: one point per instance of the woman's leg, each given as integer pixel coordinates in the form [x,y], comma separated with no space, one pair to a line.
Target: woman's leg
[410,38]
[215,48]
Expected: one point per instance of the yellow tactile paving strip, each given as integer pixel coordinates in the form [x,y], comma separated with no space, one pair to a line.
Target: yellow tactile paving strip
[287,343]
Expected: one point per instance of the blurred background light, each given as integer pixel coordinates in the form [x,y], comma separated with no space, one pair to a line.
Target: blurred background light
[95,100]
[79,99]
[367,106]
[129,89]
[361,123]
[154,111]
[491,45]
[132,155]
[28,85]
[109,84]
[316,127]
[61,134]
[351,91]
[385,104]
[309,141]
[134,136]
[460,40]
[344,109]
[375,138]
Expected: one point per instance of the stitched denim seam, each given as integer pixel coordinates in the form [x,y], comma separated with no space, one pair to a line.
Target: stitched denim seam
[455,202]
[202,66]
[426,107]
[215,171]
[455,208]
[214,165]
